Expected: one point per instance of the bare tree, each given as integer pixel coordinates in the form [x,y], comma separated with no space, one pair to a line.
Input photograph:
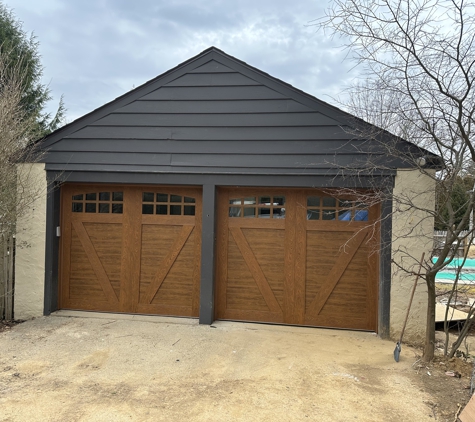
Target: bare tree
[18,185]
[418,59]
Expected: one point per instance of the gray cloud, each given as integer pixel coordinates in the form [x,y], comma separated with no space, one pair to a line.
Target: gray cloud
[94,51]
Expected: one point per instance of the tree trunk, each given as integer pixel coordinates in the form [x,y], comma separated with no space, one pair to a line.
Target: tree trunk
[429,345]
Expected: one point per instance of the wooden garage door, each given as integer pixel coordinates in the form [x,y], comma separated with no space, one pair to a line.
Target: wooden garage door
[298,257]
[133,249]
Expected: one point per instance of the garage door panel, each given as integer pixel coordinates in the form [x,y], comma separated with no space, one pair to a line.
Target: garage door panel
[332,296]
[242,291]
[268,249]
[316,261]
[337,321]
[345,302]
[173,295]
[107,242]
[131,249]
[176,288]
[245,297]
[166,310]
[246,315]
[86,305]
[252,275]
[93,272]
[156,243]
[165,253]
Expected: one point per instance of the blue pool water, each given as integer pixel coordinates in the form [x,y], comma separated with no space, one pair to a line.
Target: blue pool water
[469,263]
[467,274]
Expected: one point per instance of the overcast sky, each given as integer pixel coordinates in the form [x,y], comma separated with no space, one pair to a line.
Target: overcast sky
[94,51]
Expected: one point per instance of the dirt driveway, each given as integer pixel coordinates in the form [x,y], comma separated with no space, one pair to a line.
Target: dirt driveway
[106,368]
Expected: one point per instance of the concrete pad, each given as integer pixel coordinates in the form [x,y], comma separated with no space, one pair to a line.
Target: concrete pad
[110,367]
[126,317]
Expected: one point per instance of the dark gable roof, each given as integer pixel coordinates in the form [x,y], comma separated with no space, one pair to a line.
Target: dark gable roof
[215,114]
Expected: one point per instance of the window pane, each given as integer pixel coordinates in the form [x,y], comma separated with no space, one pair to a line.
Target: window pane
[91,207]
[249,212]
[361,215]
[329,202]
[90,196]
[175,209]
[264,200]
[104,196]
[78,197]
[175,198]
[77,206]
[147,209]
[162,197]
[249,201]
[162,209]
[189,200]
[263,212]
[117,208]
[344,215]
[189,210]
[235,201]
[117,196]
[148,197]
[313,214]
[279,213]
[104,208]
[313,201]
[279,200]
[234,212]
[328,214]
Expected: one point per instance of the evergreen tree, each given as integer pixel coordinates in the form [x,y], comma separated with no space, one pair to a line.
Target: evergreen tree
[19,51]
[453,199]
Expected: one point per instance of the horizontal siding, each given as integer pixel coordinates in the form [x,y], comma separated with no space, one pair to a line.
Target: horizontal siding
[216,106]
[213,93]
[211,67]
[216,120]
[244,171]
[212,133]
[249,161]
[155,146]
[212,79]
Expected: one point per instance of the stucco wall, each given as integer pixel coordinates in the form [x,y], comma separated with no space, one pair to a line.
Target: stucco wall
[414,194]
[30,241]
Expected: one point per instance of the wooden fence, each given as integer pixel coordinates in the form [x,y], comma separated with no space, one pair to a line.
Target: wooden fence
[7,248]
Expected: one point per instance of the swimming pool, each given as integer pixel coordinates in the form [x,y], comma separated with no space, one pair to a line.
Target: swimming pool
[448,274]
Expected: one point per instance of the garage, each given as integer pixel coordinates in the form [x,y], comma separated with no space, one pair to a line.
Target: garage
[133,249]
[217,191]
[294,256]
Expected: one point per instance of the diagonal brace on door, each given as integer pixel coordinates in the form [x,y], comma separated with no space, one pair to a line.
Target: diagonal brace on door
[336,272]
[255,269]
[96,263]
[167,263]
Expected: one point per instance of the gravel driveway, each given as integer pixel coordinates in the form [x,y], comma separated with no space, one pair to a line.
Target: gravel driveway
[103,367]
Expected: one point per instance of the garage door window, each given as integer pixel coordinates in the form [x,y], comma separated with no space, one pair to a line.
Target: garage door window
[167,204]
[257,207]
[99,202]
[330,208]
